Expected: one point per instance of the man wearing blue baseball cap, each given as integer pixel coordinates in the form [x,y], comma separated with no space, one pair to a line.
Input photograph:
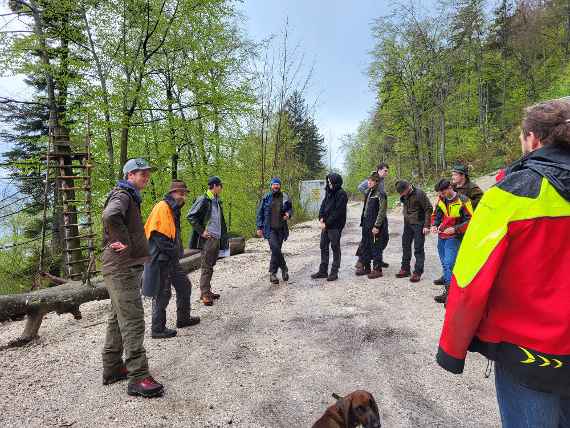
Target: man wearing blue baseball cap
[125,251]
[274,210]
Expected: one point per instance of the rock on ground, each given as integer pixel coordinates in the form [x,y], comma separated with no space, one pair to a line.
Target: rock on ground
[265,355]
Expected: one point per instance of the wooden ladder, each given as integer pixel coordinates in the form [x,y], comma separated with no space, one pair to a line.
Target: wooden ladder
[73,186]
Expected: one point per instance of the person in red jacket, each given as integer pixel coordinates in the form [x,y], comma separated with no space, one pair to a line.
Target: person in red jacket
[509,297]
[450,219]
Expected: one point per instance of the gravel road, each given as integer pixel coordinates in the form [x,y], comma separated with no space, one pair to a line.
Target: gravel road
[265,355]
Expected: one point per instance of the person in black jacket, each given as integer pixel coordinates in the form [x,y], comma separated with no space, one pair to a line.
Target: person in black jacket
[332,217]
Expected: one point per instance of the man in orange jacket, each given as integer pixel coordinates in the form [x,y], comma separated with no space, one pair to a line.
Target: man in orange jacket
[162,229]
[509,297]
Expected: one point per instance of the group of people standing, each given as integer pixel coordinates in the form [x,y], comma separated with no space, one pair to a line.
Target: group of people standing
[143,259]
[449,220]
[507,296]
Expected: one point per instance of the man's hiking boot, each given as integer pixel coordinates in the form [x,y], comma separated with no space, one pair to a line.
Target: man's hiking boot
[167,333]
[319,275]
[213,296]
[416,277]
[442,298]
[403,274]
[273,278]
[376,273]
[439,281]
[207,300]
[361,271]
[188,322]
[148,388]
[385,265]
[110,378]
[332,277]
[285,274]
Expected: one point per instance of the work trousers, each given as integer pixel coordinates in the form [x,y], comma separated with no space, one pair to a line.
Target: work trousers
[413,233]
[330,238]
[210,254]
[125,324]
[448,249]
[277,261]
[171,275]
[372,247]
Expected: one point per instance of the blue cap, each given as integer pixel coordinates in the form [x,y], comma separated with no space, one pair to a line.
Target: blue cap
[138,164]
[275,180]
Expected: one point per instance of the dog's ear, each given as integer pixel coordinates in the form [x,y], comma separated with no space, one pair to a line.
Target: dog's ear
[373,405]
[336,396]
[344,406]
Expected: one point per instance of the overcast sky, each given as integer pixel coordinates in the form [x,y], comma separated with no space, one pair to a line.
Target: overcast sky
[335,35]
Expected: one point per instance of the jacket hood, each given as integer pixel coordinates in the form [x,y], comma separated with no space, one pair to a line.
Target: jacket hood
[336,181]
[126,185]
[552,162]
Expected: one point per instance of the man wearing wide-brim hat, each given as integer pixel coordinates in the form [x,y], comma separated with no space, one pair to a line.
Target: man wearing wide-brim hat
[163,232]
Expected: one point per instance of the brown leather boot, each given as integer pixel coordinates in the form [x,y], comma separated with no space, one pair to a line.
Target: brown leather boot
[416,277]
[403,274]
[364,270]
[207,300]
[213,296]
[110,378]
[376,273]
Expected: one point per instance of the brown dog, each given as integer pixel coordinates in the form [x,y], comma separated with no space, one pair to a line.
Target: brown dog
[357,408]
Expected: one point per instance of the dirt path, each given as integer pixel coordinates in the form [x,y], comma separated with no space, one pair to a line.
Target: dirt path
[265,356]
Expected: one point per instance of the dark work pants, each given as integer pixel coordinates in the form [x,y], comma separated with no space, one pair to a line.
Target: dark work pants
[372,247]
[275,243]
[413,233]
[210,254]
[384,235]
[171,275]
[332,238]
[384,238]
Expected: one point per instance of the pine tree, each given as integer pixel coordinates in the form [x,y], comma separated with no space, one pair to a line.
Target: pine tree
[310,143]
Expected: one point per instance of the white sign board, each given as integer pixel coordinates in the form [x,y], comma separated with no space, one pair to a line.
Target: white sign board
[312,193]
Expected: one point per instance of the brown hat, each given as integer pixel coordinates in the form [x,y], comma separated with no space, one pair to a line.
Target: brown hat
[178,185]
[374,176]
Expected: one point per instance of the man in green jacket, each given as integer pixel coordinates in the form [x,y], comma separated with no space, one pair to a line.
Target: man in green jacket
[417,221]
[464,186]
[209,234]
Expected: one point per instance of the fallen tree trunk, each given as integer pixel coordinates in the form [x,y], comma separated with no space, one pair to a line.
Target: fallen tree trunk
[68,297]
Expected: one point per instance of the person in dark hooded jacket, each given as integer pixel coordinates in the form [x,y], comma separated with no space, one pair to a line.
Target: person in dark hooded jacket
[510,289]
[332,218]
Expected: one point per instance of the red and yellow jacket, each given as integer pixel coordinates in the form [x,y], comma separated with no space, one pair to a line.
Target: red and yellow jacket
[456,213]
[510,292]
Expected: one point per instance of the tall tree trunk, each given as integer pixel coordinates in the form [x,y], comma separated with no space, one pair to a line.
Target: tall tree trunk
[442,136]
[106,105]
